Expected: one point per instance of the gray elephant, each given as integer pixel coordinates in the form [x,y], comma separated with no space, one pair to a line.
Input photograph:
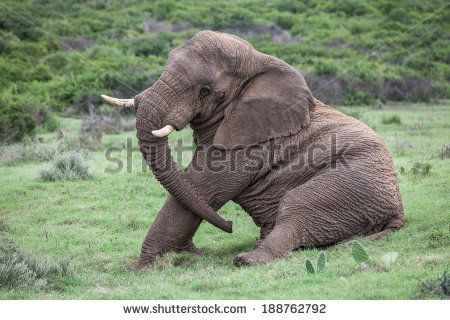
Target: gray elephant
[307,174]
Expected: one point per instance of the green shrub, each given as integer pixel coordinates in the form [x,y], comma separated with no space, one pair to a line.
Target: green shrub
[325,67]
[4,225]
[284,20]
[147,44]
[21,115]
[439,287]
[18,269]
[293,6]
[348,7]
[67,166]
[16,122]
[357,97]
[357,114]
[420,169]
[51,123]
[395,118]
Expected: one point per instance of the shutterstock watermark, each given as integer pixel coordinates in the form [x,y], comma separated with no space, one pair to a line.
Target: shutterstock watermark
[270,155]
[121,158]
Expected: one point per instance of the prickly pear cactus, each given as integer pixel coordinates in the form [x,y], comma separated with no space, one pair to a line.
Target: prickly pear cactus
[309,267]
[321,261]
[359,254]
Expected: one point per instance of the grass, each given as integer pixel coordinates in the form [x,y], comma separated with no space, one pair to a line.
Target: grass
[98,225]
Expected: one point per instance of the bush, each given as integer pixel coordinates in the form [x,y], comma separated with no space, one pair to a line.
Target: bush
[445,152]
[67,166]
[395,118]
[146,44]
[408,88]
[348,7]
[420,169]
[101,123]
[16,122]
[439,287]
[358,97]
[326,67]
[25,152]
[21,115]
[18,269]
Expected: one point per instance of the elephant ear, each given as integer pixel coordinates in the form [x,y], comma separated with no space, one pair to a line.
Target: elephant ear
[276,102]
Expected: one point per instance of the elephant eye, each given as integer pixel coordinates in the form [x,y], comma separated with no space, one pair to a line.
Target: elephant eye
[205,91]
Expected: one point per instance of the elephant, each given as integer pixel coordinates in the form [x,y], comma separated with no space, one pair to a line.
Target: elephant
[308,175]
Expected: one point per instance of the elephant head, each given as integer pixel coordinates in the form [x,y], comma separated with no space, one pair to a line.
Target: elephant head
[259,98]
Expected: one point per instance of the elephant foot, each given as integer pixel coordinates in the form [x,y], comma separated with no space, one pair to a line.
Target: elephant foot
[145,262]
[257,256]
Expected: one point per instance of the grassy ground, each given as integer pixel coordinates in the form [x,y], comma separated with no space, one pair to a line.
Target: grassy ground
[99,225]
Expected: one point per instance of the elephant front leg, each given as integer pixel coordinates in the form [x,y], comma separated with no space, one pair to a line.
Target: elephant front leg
[172,230]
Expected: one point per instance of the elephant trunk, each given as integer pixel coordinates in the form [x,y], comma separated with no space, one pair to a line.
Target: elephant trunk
[157,154]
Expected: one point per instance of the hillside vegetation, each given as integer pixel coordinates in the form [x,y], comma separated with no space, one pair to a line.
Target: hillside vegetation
[57,56]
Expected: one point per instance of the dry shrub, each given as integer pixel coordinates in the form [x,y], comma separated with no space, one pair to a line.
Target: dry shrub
[408,88]
[18,269]
[445,152]
[35,151]
[67,166]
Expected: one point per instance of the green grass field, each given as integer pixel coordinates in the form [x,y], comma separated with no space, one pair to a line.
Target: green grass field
[98,225]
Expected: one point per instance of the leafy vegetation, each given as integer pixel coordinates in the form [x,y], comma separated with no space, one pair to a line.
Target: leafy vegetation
[421,169]
[433,288]
[57,56]
[99,224]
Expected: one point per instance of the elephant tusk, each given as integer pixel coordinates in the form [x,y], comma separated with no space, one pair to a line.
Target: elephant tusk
[164,131]
[126,103]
